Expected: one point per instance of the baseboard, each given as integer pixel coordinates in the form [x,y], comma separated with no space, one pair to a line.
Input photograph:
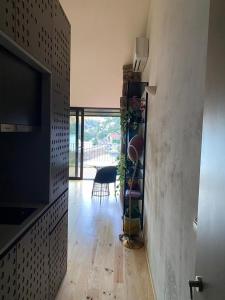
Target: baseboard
[150,274]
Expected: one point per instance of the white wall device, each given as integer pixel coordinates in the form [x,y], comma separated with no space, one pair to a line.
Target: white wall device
[140,54]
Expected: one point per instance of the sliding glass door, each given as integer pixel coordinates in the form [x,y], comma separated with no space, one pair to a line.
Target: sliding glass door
[76,143]
[94,140]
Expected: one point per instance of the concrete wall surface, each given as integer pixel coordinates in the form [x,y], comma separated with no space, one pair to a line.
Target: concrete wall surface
[178,33]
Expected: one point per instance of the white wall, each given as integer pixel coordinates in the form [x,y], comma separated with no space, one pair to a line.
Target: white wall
[178,32]
[103,36]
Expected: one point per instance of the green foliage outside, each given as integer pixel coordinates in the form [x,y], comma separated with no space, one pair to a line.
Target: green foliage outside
[98,129]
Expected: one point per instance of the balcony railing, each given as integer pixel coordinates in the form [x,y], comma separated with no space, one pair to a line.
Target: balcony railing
[105,153]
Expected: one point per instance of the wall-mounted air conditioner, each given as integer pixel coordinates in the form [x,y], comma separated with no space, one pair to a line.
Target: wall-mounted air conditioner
[140,54]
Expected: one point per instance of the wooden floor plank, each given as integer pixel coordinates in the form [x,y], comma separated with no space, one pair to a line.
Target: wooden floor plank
[118,263]
[99,267]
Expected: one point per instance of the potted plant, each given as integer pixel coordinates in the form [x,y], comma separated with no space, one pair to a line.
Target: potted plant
[132,222]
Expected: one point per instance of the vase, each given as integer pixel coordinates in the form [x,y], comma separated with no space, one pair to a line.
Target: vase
[131,226]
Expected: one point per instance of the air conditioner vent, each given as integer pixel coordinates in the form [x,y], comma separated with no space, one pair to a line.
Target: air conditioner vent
[140,54]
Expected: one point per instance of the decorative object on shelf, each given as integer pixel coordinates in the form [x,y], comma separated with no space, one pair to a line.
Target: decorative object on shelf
[134,126]
[135,148]
[133,185]
[133,193]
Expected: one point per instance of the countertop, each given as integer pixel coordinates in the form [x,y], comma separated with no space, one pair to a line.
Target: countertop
[10,233]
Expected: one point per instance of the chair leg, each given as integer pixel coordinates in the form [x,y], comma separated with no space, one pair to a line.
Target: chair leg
[115,190]
[101,195]
[92,189]
[108,189]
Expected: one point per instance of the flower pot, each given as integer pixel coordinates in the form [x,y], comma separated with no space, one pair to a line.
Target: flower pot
[131,226]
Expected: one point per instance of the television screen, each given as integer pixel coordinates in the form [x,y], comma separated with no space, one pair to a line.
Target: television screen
[20,91]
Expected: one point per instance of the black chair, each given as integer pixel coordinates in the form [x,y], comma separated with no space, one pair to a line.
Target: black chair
[103,178]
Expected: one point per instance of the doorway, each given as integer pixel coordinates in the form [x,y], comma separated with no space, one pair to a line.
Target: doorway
[94,140]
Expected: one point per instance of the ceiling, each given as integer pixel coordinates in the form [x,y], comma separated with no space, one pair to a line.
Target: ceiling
[103,37]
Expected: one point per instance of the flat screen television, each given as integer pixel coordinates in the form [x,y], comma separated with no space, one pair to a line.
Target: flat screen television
[20,91]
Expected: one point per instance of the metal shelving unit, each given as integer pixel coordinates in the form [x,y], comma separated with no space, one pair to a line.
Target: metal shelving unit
[137,105]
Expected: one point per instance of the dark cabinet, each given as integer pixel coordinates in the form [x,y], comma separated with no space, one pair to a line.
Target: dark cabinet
[57,210]
[36,266]
[8,288]
[58,228]
[35,36]
[58,255]
[33,262]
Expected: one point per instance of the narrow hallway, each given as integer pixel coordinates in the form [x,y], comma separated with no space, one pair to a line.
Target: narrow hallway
[98,265]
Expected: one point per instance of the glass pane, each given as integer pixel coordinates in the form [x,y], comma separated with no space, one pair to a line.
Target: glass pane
[72,148]
[75,144]
[79,146]
[101,143]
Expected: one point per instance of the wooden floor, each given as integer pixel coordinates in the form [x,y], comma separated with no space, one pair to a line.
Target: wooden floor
[99,267]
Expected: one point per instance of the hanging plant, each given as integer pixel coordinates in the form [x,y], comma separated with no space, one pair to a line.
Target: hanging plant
[133,116]
[134,125]
[124,120]
[135,212]
[121,170]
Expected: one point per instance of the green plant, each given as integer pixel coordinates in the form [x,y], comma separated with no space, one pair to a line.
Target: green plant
[124,120]
[135,212]
[121,169]
[131,117]
[134,125]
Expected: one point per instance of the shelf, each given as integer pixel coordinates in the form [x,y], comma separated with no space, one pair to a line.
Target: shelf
[134,122]
[129,177]
[136,109]
[16,128]
[133,193]
[135,178]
